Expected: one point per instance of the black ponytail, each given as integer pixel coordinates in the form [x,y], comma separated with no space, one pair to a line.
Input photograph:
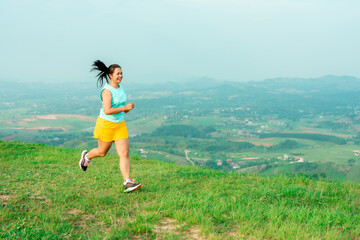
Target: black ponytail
[104,71]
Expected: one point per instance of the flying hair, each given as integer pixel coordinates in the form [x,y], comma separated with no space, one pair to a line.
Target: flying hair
[104,71]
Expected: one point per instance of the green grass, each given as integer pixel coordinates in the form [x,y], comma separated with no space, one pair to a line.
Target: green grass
[44,195]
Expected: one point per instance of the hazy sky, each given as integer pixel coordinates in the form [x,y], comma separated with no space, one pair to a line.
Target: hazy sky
[173,40]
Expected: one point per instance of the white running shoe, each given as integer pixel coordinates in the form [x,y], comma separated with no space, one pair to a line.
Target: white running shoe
[131,186]
[82,161]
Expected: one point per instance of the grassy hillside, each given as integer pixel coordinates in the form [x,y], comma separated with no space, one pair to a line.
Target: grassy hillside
[44,194]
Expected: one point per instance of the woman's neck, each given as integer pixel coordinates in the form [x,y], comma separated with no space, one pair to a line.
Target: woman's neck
[114,85]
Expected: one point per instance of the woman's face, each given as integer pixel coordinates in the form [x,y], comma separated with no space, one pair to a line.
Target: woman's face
[116,76]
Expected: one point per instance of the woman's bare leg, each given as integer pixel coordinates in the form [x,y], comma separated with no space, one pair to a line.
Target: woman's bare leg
[100,151]
[122,149]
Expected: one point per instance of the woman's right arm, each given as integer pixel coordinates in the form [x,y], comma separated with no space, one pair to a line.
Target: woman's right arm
[108,110]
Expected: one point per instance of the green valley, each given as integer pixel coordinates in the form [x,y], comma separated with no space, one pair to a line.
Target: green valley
[272,127]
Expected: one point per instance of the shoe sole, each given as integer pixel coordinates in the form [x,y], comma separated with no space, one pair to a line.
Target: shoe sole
[133,188]
[82,156]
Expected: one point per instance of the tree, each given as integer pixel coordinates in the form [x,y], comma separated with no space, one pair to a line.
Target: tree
[351,162]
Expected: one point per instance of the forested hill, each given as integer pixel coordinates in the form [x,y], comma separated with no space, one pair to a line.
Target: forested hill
[44,194]
[326,84]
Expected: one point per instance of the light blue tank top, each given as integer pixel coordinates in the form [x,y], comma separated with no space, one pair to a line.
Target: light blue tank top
[118,99]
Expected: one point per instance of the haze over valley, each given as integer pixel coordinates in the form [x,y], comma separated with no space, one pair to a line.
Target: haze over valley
[277,126]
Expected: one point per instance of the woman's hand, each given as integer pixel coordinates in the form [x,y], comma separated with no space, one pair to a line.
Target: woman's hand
[129,107]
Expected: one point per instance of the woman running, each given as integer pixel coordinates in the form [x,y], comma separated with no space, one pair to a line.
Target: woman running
[110,125]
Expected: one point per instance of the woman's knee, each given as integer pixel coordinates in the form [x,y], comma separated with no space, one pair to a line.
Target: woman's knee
[102,154]
[124,154]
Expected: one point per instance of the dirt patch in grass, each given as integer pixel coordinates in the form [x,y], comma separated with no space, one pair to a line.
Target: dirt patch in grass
[74,212]
[194,233]
[236,235]
[5,198]
[79,212]
[89,217]
[82,220]
[169,225]
[37,197]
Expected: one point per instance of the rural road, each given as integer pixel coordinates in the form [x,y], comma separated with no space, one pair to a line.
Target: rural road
[187,158]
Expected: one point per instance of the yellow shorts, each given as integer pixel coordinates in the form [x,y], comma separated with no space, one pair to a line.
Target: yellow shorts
[110,131]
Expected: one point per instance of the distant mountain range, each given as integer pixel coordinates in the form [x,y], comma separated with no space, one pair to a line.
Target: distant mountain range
[309,86]
[325,84]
